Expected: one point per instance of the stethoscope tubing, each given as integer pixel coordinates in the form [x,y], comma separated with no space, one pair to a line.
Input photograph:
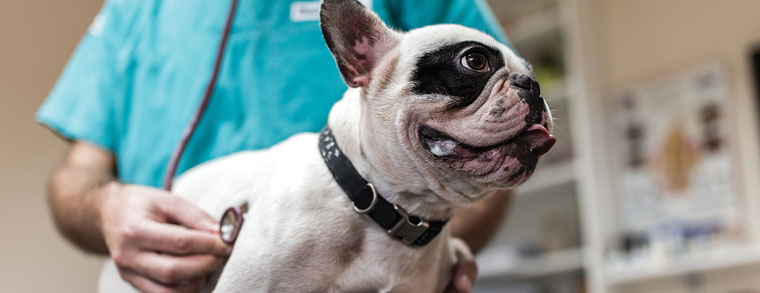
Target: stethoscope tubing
[192,125]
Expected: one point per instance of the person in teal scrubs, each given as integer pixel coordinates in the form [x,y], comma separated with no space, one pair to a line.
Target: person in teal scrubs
[139,74]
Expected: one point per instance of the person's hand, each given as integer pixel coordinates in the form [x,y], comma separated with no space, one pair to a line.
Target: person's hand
[465,269]
[159,241]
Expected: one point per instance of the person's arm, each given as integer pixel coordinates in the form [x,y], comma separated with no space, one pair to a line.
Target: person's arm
[158,241]
[76,194]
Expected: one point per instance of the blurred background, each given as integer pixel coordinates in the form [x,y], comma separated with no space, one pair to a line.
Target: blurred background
[652,186]
[36,40]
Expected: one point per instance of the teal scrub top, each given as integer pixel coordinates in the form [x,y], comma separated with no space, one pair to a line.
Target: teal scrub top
[140,71]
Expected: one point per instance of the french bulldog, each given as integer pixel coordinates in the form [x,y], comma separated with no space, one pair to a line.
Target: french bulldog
[435,118]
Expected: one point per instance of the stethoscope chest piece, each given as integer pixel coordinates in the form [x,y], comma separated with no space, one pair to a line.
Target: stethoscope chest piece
[231,223]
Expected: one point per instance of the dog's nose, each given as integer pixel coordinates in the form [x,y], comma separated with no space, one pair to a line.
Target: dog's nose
[524,82]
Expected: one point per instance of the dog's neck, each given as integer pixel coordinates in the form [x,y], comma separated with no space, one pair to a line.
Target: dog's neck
[399,183]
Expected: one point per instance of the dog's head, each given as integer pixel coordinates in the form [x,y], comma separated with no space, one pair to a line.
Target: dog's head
[445,102]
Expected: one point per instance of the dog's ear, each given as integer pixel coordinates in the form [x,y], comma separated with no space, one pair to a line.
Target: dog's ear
[357,38]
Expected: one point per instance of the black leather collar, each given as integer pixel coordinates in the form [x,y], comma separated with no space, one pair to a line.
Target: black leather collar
[392,218]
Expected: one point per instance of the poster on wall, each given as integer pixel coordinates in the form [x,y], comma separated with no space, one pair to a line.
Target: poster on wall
[674,159]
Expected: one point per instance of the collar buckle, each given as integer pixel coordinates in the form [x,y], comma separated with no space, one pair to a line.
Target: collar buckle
[408,230]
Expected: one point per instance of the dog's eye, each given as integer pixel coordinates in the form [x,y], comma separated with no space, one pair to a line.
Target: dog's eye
[475,61]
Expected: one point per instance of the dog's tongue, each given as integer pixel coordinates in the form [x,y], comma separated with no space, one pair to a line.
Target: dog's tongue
[536,139]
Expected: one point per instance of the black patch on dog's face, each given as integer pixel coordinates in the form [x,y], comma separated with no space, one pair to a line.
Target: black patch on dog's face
[441,72]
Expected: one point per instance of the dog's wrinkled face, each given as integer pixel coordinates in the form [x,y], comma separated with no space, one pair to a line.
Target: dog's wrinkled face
[461,107]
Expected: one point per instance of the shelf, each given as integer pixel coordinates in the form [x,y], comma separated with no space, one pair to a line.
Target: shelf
[549,176]
[501,263]
[622,273]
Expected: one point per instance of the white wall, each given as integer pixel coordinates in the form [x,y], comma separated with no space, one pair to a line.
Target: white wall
[36,39]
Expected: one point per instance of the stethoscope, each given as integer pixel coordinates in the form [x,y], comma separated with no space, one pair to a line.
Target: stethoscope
[231,222]
[232,219]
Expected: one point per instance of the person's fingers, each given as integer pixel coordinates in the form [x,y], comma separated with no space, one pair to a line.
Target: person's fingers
[463,283]
[145,284]
[174,270]
[178,240]
[194,285]
[465,270]
[464,275]
[186,214]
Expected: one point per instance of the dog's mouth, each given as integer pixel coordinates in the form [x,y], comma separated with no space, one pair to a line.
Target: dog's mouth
[536,139]
[511,158]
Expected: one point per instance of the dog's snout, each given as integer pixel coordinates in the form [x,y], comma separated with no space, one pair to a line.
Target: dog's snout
[523,81]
